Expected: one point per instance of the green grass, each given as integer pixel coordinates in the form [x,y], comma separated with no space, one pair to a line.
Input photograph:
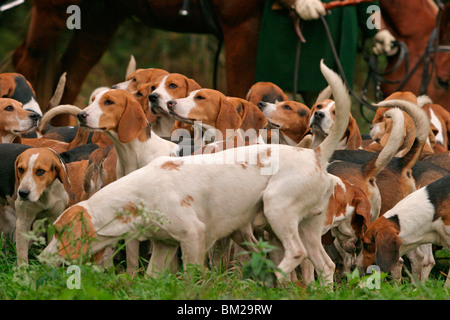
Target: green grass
[43,282]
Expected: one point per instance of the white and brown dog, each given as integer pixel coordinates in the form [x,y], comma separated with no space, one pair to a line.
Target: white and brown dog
[322,120]
[422,217]
[14,120]
[194,205]
[172,86]
[43,191]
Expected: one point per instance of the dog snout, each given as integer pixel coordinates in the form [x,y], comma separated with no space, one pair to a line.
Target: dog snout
[153,97]
[319,115]
[261,105]
[24,193]
[171,104]
[82,116]
[34,116]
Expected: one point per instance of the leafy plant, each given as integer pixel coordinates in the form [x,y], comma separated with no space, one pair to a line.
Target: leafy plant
[260,267]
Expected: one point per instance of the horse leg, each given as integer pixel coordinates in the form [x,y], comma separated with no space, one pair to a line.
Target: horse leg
[240,56]
[35,56]
[85,49]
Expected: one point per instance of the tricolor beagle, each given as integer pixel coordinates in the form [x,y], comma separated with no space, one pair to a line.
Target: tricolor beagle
[14,120]
[194,205]
[322,120]
[170,87]
[290,118]
[422,217]
[43,191]
[15,86]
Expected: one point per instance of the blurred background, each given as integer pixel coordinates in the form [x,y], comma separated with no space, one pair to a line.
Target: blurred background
[188,54]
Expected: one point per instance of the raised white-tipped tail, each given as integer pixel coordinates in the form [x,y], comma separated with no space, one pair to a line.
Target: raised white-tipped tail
[418,115]
[343,104]
[391,148]
[62,109]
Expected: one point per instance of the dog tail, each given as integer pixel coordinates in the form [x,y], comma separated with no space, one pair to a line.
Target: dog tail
[62,109]
[342,99]
[374,167]
[57,95]
[422,124]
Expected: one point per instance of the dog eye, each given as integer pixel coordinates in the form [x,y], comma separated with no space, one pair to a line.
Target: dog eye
[287,107]
[200,97]
[138,94]
[108,102]
[133,79]
[40,172]
[20,170]
[9,108]
[172,86]
[153,88]
[319,107]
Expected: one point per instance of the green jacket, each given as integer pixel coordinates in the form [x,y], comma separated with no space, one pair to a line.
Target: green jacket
[277,46]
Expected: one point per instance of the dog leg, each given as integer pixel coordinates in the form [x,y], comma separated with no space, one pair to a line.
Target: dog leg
[416,258]
[23,225]
[132,253]
[428,261]
[162,256]
[310,234]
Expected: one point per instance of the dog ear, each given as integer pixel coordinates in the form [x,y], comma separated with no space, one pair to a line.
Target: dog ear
[132,122]
[191,85]
[228,117]
[387,249]
[361,217]
[353,134]
[16,178]
[61,174]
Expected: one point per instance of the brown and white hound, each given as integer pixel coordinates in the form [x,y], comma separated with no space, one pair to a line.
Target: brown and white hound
[322,120]
[171,86]
[266,92]
[289,118]
[14,120]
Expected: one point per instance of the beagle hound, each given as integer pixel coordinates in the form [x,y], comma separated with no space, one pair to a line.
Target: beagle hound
[267,92]
[170,87]
[14,120]
[140,77]
[117,113]
[15,86]
[193,201]
[43,191]
[209,107]
[290,118]
[422,217]
[322,120]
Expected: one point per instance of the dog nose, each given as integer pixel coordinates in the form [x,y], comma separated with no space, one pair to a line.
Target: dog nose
[82,116]
[319,115]
[261,105]
[171,104]
[34,116]
[24,193]
[153,97]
